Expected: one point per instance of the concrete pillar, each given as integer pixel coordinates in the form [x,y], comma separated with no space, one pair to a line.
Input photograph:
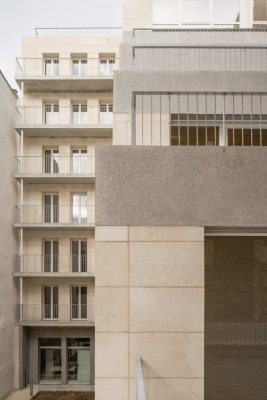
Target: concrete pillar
[246,13]
[64,361]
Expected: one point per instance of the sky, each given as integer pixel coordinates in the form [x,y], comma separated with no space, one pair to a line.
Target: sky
[18,18]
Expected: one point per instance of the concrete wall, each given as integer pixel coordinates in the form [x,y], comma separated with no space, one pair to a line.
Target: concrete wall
[150,301]
[181,186]
[7,237]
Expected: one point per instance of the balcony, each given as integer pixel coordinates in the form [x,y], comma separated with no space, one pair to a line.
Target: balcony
[56,121]
[66,74]
[56,314]
[31,265]
[59,217]
[56,169]
[250,333]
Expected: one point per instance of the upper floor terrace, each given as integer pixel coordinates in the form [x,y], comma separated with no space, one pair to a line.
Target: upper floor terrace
[77,59]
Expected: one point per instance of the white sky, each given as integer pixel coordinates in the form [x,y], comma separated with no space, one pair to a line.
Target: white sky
[18,18]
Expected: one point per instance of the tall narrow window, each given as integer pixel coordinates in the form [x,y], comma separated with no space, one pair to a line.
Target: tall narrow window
[79,255]
[79,359]
[50,256]
[79,114]
[51,112]
[79,208]
[79,66]
[50,359]
[79,161]
[51,208]
[50,302]
[51,66]
[106,66]
[106,114]
[51,164]
[79,302]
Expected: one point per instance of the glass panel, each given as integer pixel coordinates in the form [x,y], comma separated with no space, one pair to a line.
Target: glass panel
[75,302]
[83,302]
[79,342]
[55,302]
[84,67]
[50,342]
[47,256]
[56,67]
[47,161]
[47,302]
[55,208]
[75,67]
[50,367]
[75,255]
[48,67]
[83,114]
[55,162]
[55,256]
[47,206]
[83,255]
[103,67]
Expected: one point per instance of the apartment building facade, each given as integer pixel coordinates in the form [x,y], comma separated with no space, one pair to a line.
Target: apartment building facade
[65,111]
[150,282]
[180,211]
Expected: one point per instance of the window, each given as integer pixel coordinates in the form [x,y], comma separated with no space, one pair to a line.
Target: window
[107,66]
[79,161]
[50,252]
[50,358]
[51,66]
[79,359]
[79,208]
[79,302]
[79,114]
[246,137]
[79,66]
[50,305]
[51,208]
[194,136]
[79,255]
[51,161]
[106,114]
[51,112]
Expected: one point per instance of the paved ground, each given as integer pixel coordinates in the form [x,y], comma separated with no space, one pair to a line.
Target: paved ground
[23,394]
[64,396]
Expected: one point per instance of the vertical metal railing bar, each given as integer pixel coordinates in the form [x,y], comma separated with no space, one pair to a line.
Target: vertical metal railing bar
[160,119]
[197,117]
[187,119]
[215,113]
[206,115]
[169,105]
[233,133]
[142,117]
[178,119]
[151,117]
[251,119]
[223,104]
[260,119]
[242,116]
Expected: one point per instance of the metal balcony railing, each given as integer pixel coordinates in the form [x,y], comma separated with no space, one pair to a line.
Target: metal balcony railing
[55,312]
[76,68]
[56,165]
[65,264]
[236,333]
[77,115]
[54,214]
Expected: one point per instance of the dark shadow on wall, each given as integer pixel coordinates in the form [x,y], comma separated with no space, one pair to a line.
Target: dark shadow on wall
[236,318]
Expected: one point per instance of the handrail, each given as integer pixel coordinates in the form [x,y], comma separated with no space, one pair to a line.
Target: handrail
[63,30]
[140,388]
